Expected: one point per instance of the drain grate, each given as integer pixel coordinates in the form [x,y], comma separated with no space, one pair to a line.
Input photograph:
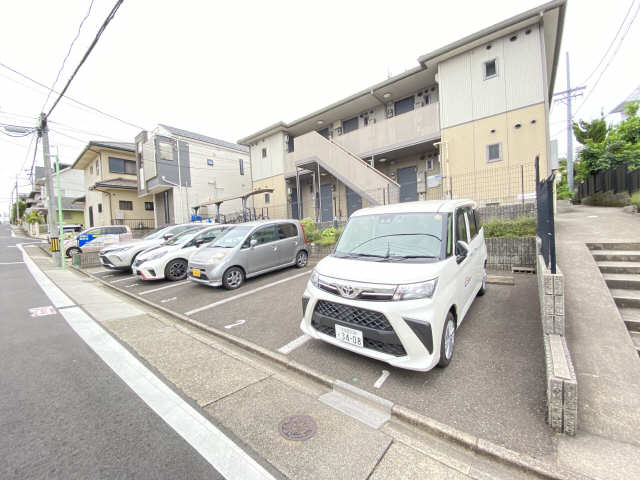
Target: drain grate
[298,427]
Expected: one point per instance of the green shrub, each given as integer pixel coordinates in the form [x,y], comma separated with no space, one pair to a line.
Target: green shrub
[563,192]
[635,200]
[521,227]
[607,199]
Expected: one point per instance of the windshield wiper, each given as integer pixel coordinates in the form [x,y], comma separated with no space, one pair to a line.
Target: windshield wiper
[405,257]
[394,235]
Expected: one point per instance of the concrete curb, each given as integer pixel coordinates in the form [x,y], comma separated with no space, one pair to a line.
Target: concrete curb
[398,412]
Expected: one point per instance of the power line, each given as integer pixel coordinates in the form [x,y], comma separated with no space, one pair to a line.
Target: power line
[624,20]
[88,52]
[610,59]
[67,55]
[72,99]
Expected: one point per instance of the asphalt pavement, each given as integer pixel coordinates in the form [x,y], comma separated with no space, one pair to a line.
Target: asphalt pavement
[63,412]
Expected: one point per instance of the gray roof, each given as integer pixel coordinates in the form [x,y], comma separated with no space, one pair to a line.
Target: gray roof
[635,96]
[39,171]
[117,183]
[204,138]
[67,204]
[130,147]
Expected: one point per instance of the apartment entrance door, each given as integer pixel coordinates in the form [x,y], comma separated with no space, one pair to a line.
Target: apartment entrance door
[326,200]
[354,201]
[408,180]
[294,204]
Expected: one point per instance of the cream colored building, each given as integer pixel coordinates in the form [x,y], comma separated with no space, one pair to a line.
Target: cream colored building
[185,172]
[468,121]
[110,187]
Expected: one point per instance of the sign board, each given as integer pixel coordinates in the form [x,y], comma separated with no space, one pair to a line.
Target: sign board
[434,181]
[85,238]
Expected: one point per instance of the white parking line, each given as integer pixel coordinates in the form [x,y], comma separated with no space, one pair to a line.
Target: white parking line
[165,287]
[383,377]
[291,346]
[108,276]
[235,324]
[244,294]
[130,277]
[166,300]
[11,263]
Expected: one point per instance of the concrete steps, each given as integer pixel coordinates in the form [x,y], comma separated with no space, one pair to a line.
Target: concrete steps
[626,298]
[614,246]
[616,255]
[629,281]
[619,267]
[631,317]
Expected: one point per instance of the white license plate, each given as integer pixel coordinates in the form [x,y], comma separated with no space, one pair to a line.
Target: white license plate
[349,335]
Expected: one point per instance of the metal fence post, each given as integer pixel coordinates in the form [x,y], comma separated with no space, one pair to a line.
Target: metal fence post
[522,182]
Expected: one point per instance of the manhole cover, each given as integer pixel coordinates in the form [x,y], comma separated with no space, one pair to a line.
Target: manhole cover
[298,427]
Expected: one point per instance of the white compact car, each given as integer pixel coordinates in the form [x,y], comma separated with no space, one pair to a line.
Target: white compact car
[122,255]
[399,283]
[170,259]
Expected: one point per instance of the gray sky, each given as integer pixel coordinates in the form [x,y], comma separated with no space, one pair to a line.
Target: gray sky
[228,69]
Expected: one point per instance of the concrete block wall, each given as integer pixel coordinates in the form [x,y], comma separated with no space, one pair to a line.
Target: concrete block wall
[505,253]
[562,386]
[506,212]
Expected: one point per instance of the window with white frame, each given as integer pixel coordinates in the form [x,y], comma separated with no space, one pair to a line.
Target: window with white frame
[210,162]
[241,163]
[490,69]
[494,152]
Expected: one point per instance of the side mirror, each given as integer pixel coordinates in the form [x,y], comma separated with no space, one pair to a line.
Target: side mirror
[167,236]
[253,242]
[462,250]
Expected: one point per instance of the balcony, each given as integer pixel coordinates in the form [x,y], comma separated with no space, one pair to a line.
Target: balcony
[411,128]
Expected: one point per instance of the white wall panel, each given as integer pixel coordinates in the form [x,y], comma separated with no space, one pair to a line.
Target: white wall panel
[454,83]
[488,94]
[523,69]
[273,164]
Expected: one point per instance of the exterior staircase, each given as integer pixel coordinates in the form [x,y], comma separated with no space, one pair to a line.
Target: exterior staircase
[620,267]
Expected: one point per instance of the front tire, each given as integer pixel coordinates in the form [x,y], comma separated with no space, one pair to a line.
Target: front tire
[176,270]
[301,259]
[233,278]
[447,343]
[71,251]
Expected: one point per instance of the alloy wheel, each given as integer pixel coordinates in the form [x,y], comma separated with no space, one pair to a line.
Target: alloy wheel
[449,339]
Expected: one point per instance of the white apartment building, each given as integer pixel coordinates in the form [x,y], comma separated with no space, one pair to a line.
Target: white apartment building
[184,171]
[467,121]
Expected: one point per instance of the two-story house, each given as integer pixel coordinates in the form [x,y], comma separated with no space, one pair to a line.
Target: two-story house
[468,121]
[183,171]
[110,186]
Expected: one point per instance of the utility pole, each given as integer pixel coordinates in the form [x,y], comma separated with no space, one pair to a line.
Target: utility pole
[17,199]
[567,95]
[51,209]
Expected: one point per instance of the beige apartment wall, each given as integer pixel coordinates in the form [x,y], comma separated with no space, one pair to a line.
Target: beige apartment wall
[277,205]
[138,211]
[273,164]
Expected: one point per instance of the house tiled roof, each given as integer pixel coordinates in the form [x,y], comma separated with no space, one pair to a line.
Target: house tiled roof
[117,145]
[203,138]
[117,183]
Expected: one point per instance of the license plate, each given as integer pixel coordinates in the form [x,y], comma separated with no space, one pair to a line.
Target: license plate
[349,335]
[195,272]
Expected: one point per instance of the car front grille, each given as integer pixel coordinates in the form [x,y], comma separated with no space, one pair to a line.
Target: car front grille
[395,349]
[354,315]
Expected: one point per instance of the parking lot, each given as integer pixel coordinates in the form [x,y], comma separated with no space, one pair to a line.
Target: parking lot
[494,387]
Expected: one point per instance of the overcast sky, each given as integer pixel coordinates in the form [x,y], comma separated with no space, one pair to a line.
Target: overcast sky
[228,69]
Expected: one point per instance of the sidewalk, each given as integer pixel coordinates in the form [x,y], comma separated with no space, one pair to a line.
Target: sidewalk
[606,363]
[249,397]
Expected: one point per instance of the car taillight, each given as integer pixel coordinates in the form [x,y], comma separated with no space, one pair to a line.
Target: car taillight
[304,235]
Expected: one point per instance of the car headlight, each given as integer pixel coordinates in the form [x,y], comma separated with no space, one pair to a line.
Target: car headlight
[314,280]
[117,250]
[217,257]
[412,291]
[155,256]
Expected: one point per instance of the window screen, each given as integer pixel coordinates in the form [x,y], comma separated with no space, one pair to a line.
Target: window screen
[490,69]
[403,106]
[125,205]
[148,206]
[494,152]
[119,165]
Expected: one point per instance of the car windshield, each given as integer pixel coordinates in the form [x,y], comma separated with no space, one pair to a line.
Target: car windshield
[230,238]
[158,233]
[393,237]
[184,237]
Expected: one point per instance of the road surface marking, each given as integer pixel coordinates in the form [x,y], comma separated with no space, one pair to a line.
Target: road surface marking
[383,377]
[108,276]
[11,263]
[236,324]
[130,277]
[57,296]
[213,445]
[166,300]
[42,311]
[165,287]
[291,346]
[250,292]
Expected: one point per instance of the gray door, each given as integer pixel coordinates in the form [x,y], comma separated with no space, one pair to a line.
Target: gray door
[408,180]
[326,201]
[354,201]
[265,253]
[294,204]
[287,242]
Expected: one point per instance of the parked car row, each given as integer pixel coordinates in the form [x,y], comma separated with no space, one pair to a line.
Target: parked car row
[396,288]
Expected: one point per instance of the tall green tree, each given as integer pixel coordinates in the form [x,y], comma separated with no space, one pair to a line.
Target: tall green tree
[21,208]
[596,131]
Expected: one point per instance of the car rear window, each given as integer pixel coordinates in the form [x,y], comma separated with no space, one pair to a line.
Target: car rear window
[287,230]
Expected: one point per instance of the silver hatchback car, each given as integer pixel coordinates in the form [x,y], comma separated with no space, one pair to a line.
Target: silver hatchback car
[247,250]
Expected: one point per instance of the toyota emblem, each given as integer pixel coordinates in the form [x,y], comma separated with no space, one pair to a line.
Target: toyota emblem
[348,291]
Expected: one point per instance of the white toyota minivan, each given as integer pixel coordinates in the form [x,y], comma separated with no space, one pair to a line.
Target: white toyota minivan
[399,283]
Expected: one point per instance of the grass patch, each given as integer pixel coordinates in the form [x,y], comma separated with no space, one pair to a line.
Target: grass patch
[520,227]
[635,200]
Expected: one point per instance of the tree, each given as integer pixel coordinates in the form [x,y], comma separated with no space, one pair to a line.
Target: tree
[596,131]
[34,217]
[21,208]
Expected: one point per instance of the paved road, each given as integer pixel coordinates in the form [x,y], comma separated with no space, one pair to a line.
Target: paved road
[64,413]
[494,388]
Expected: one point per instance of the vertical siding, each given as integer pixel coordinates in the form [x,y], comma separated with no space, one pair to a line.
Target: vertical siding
[274,163]
[454,78]
[523,70]
[488,95]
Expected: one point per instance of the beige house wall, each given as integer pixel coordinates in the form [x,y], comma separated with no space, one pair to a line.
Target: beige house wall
[277,206]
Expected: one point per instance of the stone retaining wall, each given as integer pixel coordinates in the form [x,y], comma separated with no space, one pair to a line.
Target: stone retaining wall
[506,212]
[562,386]
[506,253]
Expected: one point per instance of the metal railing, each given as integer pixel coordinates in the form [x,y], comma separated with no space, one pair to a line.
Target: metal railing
[546,227]
[135,223]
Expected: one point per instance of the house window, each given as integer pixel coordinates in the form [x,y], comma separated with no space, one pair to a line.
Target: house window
[349,125]
[99,208]
[210,162]
[490,69]
[264,153]
[494,152]
[267,198]
[119,165]
[66,215]
[165,149]
[429,163]
[241,163]
[125,205]
[148,206]
[97,167]
[403,106]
